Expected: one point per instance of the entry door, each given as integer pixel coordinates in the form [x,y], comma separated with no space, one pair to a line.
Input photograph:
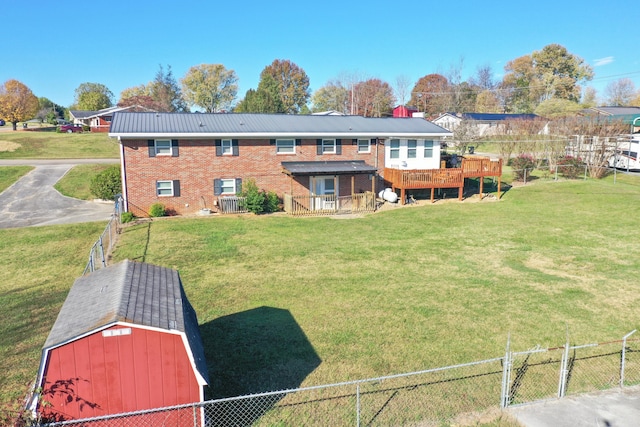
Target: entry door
[324,186]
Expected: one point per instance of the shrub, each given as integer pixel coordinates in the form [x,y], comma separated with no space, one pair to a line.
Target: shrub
[570,167]
[259,201]
[107,183]
[522,166]
[156,210]
[126,217]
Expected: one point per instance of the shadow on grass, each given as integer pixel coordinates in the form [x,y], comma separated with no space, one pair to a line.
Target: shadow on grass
[258,350]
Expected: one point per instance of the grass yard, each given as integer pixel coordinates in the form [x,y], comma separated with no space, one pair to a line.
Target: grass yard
[77,182]
[10,174]
[47,144]
[286,301]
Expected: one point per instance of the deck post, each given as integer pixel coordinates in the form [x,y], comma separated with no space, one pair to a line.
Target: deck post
[481,186]
[499,182]
[460,191]
[402,195]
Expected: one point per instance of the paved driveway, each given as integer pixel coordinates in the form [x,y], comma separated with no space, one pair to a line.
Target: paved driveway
[33,201]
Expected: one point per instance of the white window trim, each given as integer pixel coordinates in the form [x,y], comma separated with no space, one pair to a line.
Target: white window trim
[433,144]
[157,149]
[394,149]
[164,182]
[222,186]
[330,144]
[414,148]
[278,146]
[227,147]
[368,149]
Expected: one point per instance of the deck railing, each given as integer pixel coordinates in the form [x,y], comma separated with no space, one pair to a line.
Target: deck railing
[424,178]
[329,204]
[481,167]
[232,204]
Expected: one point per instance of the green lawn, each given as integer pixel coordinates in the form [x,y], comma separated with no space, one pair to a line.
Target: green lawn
[47,144]
[309,301]
[10,174]
[77,182]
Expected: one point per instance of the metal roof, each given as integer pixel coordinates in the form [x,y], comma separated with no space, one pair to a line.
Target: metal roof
[351,167]
[199,125]
[492,117]
[130,292]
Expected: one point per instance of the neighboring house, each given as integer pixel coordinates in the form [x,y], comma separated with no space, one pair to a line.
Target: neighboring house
[99,121]
[629,115]
[486,123]
[126,339]
[404,111]
[187,161]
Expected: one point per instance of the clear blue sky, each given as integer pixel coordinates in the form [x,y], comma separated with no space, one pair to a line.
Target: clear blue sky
[53,48]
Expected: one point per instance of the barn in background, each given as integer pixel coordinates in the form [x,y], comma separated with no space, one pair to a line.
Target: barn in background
[126,339]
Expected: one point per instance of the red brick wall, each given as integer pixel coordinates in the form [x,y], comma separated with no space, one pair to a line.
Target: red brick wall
[197,166]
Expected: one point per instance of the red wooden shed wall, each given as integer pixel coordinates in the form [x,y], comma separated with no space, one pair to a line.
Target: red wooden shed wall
[107,375]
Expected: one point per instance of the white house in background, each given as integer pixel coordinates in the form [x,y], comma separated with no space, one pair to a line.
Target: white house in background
[486,123]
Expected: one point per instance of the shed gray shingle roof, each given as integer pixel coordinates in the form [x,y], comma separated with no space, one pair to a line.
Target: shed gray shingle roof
[328,168]
[132,292]
[130,124]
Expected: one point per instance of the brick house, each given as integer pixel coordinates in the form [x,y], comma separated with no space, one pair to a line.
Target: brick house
[187,161]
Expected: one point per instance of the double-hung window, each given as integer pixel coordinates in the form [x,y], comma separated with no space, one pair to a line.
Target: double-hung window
[428,149]
[328,146]
[163,147]
[394,149]
[412,146]
[285,146]
[364,146]
[227,147]
[168,188]
[227,186]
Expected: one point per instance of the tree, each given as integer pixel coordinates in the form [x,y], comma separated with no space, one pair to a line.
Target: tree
[292,83]
[265,99]
[106,184]
[589,96]
[93,97]
[552,72]
[487,102]
[557,107]
[332,96]
[402,89]
[210,86]
[430,94]
[373,98]
[166,91]
[48,111]
[620,93]
[17,102]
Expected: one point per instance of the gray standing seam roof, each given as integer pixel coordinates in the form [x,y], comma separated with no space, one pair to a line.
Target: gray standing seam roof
[142,124]
[132,292]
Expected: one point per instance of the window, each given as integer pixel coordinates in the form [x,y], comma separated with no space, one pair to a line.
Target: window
[163,147]
[227,147]
[412,144]
[168,188]
[364,146]
[394,149]
[227,186]
[328,146]
[285,146]
[428,149]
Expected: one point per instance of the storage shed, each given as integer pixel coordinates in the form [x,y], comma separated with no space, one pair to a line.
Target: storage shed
[126,339]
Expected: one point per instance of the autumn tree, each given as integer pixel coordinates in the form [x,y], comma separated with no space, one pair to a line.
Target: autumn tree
[17,102]
[210,86]
[401,89]
[430,94]
[292,83]
[93,97]
[620,93]
[487,102]
[373,98]
[166,91]
[557,107]
[48,111]
[552,72]
[264,99]
[332,96]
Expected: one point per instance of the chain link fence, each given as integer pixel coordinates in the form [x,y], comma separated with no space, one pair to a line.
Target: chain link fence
[99,253]
[458,394]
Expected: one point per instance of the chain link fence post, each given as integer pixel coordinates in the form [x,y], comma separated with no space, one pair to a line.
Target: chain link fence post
[506,375]
[623,356]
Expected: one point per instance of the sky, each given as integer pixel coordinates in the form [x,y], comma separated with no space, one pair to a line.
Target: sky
[54,48]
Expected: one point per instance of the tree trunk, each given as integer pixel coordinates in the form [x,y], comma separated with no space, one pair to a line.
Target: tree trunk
[15,125]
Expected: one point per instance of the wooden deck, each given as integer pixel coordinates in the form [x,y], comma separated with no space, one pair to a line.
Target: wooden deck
[474,167]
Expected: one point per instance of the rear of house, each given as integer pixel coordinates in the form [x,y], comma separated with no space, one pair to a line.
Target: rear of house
[188,161]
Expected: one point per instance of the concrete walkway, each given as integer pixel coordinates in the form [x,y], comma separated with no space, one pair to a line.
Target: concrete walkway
[610,408]
[32,200]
